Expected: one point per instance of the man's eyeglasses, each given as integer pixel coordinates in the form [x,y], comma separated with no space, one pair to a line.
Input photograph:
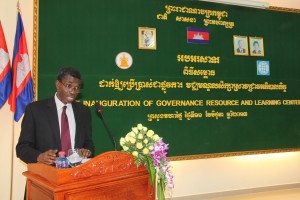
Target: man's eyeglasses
[69,87]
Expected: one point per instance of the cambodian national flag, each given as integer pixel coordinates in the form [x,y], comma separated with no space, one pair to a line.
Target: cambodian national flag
[197,35]
[22,90]
[5,70]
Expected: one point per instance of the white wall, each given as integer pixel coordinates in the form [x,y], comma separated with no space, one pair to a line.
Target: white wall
[191,177]
[283,3]
[203,176]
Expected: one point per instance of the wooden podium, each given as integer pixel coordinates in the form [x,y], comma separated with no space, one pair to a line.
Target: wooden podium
[109,176]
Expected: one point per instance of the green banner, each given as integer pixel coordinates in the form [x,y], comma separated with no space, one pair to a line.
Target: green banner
[208,78]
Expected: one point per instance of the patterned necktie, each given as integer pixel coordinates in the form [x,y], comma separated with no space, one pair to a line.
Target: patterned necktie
[65,132]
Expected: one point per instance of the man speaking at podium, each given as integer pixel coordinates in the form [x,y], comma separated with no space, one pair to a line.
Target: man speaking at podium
[57,123]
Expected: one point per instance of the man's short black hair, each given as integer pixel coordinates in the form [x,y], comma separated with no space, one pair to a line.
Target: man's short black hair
[65,71]
[255,42]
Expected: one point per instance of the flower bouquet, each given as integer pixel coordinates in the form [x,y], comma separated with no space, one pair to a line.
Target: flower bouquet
[149,149]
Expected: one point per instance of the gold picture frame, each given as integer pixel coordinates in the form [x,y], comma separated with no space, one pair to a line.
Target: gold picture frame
[240,44]
[256,46]
[147,38]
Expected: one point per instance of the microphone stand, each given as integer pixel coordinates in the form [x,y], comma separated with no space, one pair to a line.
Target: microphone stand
[112,137]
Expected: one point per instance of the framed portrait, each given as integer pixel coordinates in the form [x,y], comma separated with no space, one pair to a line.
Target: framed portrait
[256,46]
[240,44]
[147,38]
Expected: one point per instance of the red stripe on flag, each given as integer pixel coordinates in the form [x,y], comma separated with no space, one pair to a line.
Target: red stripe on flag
[23,44]
[2,39]
[23,84]
[13,95]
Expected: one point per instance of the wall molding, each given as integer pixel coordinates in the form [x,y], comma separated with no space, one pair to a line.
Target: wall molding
[283,9]
[238,192]
[231,154]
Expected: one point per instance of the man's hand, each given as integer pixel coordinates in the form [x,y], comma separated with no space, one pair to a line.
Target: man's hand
[47,157]
[85,153]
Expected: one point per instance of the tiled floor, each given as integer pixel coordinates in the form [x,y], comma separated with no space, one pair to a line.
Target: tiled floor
[290,194]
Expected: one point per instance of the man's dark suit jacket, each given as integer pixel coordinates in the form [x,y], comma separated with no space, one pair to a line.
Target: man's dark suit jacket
[241,50]
[258,52]
[40,129]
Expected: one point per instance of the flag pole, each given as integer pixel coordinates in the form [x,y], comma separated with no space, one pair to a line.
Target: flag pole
[18,6]
[12,141]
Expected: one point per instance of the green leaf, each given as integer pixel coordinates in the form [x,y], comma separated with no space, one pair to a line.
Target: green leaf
[160,191]
[151,171]
[137,163]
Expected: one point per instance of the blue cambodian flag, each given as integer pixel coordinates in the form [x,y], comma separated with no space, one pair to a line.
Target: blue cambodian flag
[197,35]
[22,89]
[5,70]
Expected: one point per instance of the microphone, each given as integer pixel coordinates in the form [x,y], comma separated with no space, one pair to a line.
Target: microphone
[111,136]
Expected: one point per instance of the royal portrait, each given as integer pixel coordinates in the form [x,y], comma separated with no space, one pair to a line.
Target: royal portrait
[147,38]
